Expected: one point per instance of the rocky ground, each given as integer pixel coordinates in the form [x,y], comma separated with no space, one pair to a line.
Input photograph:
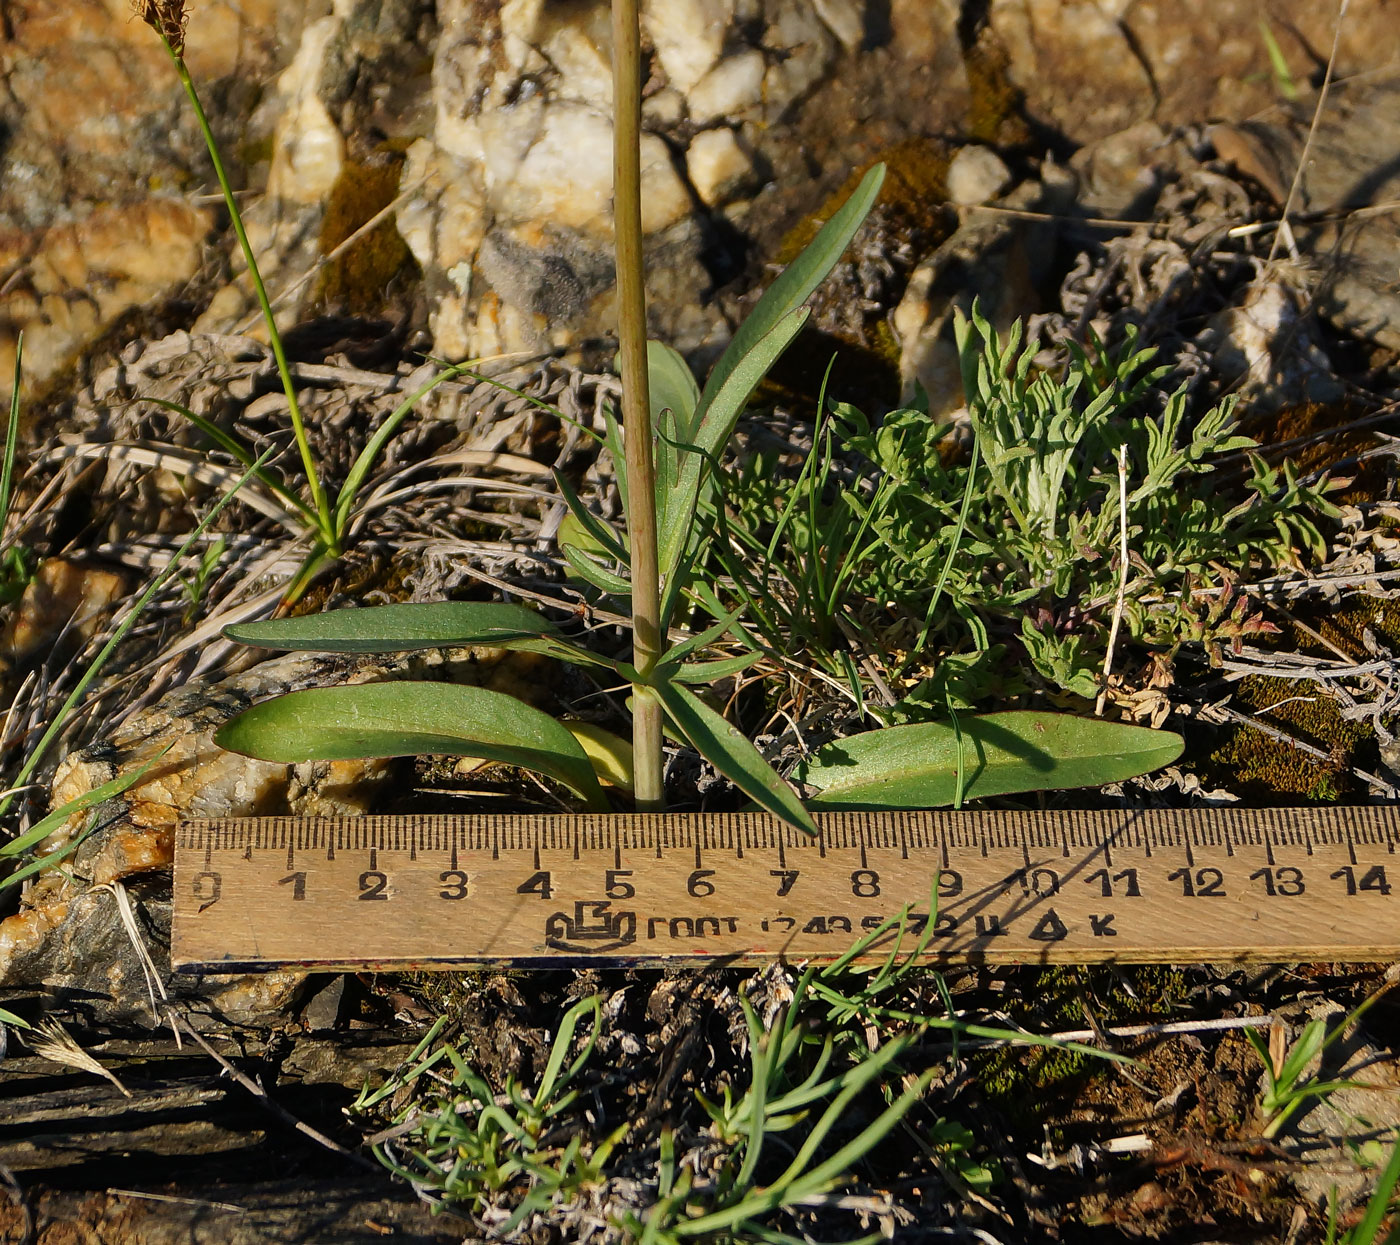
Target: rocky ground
[431,180]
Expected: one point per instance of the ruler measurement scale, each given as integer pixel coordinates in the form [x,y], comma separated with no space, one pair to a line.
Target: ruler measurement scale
[1067,887]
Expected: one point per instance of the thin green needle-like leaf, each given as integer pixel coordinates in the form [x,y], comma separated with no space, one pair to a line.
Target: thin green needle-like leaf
[707,671]
[918,766]
[411,719]
[242,454]
[345,499]
[7,463]
[60,720]
[730,752]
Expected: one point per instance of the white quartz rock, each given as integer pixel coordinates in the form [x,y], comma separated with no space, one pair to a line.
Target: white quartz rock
[976,175]
[718,165]
[729,90]
[688,36]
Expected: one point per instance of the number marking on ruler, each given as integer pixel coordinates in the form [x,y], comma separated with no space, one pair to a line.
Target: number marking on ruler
[1136,886]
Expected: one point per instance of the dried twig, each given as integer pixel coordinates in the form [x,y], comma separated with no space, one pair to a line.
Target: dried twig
[1284,233]
[258,1092]
[1122,575]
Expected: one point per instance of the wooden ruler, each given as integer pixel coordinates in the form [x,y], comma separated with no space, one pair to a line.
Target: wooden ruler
[1061,887]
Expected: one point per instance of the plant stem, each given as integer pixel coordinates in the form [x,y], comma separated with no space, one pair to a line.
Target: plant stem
[325,520]
[636,399]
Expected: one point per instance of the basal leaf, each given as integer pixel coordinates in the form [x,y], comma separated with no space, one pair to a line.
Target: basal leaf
[672,386]
[676,510]
[399,628]
[411,719]
[765,333]
[707,671]
[730,752]
[917,766]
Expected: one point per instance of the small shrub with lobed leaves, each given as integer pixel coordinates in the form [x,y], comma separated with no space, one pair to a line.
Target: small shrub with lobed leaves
[1017,546]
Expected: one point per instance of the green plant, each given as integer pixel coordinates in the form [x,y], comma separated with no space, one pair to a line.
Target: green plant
[24,844]
[16,561]
[467,1145]
[666,451]
[1034,520]
[1288,1084]
[1380,1206]
[324,514]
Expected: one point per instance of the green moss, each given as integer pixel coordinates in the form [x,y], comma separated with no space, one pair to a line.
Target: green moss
[256,151]
[1029,1084]
[1273,771]
[357,280]
[994,111]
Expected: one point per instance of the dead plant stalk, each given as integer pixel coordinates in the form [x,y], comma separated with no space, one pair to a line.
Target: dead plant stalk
[636,401]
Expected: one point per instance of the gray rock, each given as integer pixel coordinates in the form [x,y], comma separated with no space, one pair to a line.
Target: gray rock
[1353,164]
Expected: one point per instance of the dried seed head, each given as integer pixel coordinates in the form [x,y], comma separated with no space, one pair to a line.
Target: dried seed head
[167,18]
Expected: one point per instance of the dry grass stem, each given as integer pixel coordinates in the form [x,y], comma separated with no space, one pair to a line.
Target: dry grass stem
[53,1042]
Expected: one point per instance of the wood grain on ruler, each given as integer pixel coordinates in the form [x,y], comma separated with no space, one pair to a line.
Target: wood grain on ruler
[1134,886]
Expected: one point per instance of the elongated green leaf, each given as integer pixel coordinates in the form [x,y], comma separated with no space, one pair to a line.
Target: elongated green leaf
[691,644]
[607,539]
[793,287]
[917,766]
[595,572]
[410,719]
[707,671]
[398,628]
[672,386]
[674,396]
[359,471]
[726,748]
[763,336]
[716,423]
[242,454]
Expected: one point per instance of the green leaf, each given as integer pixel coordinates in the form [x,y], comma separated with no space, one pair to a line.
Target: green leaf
[9,1018]
[727,749]
[707,671]
[595,573]
[917,766]
[765,333]
[411,719]
[717,419]
[400,628]
[672,386]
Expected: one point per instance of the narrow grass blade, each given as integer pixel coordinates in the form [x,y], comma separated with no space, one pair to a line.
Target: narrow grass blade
[730,752]
[411,719]
[359,471]
[7,464]
[242,454]
[41,830]
[919,766]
